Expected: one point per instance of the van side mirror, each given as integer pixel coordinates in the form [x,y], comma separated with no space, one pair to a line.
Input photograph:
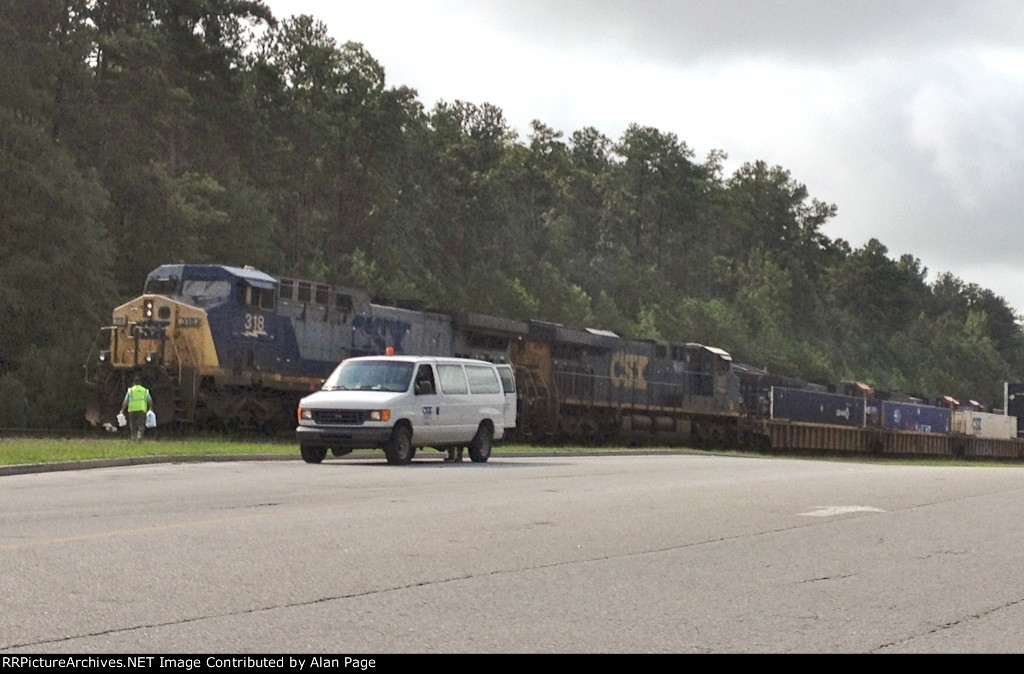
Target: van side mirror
[424,387]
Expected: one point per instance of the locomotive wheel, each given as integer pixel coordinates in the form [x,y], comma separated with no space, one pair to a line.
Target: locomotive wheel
[313,454]
[399,450]
[480,446]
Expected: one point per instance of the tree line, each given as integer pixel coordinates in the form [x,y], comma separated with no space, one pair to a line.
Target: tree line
[140,132]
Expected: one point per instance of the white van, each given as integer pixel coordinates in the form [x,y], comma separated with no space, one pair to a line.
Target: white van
[400,403]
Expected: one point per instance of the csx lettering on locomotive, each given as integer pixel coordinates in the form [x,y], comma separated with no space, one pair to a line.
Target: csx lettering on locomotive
[627,370]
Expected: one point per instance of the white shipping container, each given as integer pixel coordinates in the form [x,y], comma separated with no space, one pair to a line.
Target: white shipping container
[984,424]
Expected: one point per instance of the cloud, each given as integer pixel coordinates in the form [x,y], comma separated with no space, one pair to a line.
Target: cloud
[821,30]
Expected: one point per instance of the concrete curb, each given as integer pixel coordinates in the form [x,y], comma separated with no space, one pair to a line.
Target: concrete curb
[29,468]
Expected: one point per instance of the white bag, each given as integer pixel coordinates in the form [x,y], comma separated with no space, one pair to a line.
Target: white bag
[151,419]
[121,421]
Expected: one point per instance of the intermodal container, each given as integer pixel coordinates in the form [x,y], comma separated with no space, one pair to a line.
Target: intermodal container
[898,416]
[816,407]
[984,424]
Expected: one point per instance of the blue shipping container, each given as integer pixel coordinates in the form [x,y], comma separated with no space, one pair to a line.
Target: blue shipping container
[816,407]
[912,417]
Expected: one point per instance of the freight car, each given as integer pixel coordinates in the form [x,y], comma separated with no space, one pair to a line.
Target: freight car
[230,347]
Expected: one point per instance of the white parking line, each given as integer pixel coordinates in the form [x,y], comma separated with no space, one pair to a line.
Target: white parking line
[829,511]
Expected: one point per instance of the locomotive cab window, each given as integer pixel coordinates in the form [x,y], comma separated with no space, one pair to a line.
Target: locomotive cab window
[205,293]
[161,286]
[257,298]
[263,298]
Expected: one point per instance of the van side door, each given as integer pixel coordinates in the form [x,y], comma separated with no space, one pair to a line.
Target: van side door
[428,423]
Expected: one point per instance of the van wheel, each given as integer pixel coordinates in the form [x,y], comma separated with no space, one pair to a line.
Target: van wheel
[313,454]
[399,450]
[480,447]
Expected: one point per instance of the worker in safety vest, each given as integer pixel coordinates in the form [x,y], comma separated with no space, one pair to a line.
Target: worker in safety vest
[137,402]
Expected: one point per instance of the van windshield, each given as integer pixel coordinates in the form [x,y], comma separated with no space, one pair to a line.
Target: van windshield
[370,375]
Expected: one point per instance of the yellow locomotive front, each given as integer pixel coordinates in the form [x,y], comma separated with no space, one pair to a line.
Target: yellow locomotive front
[165,341]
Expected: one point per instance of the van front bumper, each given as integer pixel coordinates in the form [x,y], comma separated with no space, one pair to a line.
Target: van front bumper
[348,437]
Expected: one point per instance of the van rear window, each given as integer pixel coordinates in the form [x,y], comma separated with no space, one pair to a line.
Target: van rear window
[508,382]
[482,379]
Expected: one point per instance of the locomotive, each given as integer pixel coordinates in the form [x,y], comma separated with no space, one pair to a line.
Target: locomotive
[224,347]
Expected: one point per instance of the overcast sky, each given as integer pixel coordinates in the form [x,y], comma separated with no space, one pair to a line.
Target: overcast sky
[906,114]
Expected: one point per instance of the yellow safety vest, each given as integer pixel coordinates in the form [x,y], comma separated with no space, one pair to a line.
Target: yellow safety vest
[137,397]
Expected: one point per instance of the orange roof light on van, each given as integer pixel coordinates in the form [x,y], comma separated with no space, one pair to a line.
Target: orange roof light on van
[390,351]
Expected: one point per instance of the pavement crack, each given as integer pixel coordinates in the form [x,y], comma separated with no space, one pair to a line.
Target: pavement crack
[948,625]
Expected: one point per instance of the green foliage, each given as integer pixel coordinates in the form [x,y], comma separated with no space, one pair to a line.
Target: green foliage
[14,406]
[558,299]
[497,293]
[646,326]
[55,282]
[713,322]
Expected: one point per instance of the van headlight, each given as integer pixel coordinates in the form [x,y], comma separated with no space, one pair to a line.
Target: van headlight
[305,414]
[380,415]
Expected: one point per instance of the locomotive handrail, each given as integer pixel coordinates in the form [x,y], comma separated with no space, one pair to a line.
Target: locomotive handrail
[566,383]
[192,362]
